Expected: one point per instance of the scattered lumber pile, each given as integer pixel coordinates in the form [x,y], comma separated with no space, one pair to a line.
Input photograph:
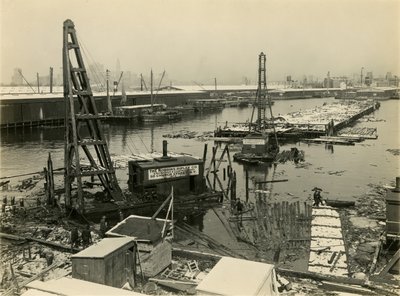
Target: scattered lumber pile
[293,154]
[359,132]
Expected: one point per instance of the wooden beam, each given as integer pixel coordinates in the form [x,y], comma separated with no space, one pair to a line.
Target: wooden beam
[390,264]
[47,269]
[162,206]
[38,240]
[346,288]
[271,181]
[337,279]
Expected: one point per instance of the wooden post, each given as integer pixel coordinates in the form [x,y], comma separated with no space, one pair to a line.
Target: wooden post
[247,185]
[109,104]
[46,183]
[38,83]
[51,79]
[50,180]
[224,174]
[213,164]
[233,186]
[205,153]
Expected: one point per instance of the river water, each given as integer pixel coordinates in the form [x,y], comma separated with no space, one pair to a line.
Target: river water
[343,172]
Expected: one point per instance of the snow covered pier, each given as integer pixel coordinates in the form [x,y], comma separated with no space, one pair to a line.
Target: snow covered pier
[327,250]
[324,120]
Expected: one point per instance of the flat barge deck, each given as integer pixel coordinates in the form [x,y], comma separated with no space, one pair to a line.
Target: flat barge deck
[316,122]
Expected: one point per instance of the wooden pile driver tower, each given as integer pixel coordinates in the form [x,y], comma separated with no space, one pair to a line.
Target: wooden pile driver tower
[262,99]
[83,131]
[261,92]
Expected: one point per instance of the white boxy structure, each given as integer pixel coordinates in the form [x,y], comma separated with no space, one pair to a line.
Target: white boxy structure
[232,276]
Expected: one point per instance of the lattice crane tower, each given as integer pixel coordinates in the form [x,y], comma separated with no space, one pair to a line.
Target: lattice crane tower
[83,130]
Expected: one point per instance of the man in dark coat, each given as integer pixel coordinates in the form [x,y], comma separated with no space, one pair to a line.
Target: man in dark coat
[103,227]
[74,238]
[86,237]
[317,197]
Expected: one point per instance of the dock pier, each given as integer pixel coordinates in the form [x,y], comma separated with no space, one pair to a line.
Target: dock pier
[313,123]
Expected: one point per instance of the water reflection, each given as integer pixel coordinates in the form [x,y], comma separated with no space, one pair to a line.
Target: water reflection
[26,150]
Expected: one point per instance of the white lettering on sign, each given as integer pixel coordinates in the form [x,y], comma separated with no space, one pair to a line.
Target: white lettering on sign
[254,141]
[173,172]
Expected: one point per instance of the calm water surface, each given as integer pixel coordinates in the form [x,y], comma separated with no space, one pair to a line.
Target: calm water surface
[342,172]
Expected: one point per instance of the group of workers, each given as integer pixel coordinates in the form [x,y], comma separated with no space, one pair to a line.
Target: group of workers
[86,237]
[13,204]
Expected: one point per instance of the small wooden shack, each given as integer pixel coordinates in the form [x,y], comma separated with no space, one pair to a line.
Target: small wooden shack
[393,211]
[155,250]
[156,176]
[111,262]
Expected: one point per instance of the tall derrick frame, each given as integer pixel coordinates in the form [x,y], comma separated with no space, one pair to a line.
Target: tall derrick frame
[261,91]
[83,128]
[263,99]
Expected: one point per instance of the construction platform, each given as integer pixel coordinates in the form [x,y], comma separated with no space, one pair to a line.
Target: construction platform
[316,122]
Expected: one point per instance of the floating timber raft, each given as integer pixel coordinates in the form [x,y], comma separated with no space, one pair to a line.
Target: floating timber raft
[308,123]
[330,140]
[327,250]
[359,132]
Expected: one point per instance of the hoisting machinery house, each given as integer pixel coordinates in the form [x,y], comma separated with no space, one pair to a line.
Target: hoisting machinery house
[83,130]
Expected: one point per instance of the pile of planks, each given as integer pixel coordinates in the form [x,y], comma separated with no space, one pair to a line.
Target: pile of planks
[359,132]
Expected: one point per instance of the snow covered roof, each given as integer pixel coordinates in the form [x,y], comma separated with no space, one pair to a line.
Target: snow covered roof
[232,276]
[70,286]
[104,247]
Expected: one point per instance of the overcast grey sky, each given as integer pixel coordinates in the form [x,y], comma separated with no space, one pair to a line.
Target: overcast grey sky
[199,40]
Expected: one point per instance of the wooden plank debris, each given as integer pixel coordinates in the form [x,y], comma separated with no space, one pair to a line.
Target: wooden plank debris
[390,264]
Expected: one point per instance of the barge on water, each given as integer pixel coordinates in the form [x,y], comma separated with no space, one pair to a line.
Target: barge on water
[321,121]
[150,182]
[145,113]
[257,148]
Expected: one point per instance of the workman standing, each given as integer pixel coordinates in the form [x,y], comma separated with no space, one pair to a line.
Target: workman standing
[239,209]
[74,238]
[317,197]
[49,258]
[121,215]
[86,237]
[103,227]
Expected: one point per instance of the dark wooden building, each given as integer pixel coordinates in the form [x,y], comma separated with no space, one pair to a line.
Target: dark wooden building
[110,262]
[184,173]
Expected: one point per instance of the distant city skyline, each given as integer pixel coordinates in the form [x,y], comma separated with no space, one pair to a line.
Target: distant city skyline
[97,74]
[200,40]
